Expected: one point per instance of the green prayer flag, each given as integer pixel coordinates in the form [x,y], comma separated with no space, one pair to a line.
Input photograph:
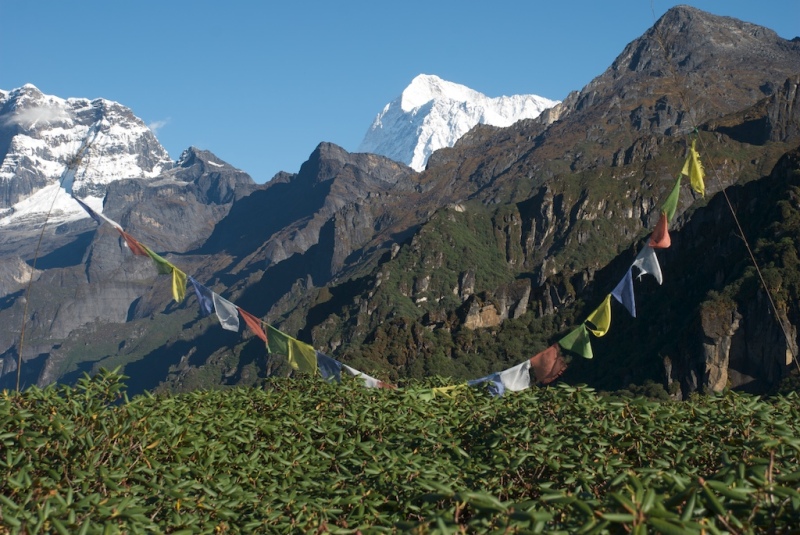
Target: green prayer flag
[165,268]
[601,318]
[301,356]
[578,342]
[277,342]
[671,204]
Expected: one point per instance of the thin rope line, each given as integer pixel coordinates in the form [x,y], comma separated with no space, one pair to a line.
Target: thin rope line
[30,281]
[72,166]
[693,121]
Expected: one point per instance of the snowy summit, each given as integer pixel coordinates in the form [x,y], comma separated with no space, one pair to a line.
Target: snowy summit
[432,113]
[42,135]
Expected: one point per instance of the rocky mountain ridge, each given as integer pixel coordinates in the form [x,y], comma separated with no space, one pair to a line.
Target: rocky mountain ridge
[501,246]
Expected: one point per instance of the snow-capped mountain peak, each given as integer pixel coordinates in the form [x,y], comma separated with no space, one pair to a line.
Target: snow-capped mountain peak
[427,87]
[41,136]
[432,113]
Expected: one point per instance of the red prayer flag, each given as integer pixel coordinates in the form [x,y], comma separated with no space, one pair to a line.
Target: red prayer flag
[254,323]
[660,237]
[135,247]
[548,365]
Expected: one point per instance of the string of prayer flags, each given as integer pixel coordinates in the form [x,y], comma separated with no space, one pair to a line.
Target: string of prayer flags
[601,318]
[255,325]
[301,356]
[647,262]
[694,170]
[277,342]
[548,365]
[162,265]
[68,177]
[623,292]
[670,205]
[660,239]
[135,247]
[578,342]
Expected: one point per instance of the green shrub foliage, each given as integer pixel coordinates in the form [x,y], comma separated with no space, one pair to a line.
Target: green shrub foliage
[303,455]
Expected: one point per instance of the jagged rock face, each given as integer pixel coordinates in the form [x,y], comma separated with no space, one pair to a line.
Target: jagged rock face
[338,202]
[783,114]
[762,353]
[691,68]
[719,327]
[744,347]
[41,134]
[15,275]
[217,181]
[676,73]
[179,209]
[508,301]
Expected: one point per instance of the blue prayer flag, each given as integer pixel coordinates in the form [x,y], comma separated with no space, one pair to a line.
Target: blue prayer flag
[496,386]
[624,293]
[205,297]
[329,368]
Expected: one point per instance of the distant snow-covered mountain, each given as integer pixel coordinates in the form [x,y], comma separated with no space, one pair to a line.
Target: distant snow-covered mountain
[41,134]
[432,113]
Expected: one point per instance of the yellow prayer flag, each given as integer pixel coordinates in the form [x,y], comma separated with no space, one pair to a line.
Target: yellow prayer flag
[448,391]
[694,170]
[178,284]
[165,268]
[601,318]
[302,357]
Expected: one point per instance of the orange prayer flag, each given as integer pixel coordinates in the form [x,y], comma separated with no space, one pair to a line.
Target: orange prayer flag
[135,247]
[660,238]
[254,323]
[548,365]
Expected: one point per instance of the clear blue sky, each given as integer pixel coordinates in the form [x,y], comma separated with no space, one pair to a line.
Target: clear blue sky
[261,83]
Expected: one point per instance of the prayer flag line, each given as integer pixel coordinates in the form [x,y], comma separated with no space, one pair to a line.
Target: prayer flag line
[547,365]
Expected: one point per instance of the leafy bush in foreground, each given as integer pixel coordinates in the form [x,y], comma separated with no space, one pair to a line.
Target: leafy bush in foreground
[308,456]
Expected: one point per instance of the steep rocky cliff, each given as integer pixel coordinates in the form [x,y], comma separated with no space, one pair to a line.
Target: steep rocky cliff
[499,248]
